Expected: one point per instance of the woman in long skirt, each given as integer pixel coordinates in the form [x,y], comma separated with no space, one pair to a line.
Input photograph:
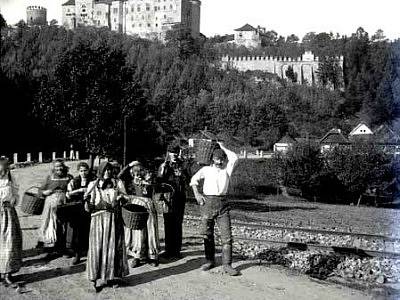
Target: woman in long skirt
[106,260]
[52,231]
[78,224]
[10,230]
[142,245]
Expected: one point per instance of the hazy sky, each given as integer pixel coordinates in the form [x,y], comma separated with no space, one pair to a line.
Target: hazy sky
[283,16]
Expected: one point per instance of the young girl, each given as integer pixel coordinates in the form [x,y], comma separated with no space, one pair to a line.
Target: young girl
[142,245]
[10,230]
[106,260]
[77,229]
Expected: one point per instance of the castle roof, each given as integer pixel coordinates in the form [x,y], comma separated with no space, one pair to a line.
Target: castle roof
[69,2]
[246,27]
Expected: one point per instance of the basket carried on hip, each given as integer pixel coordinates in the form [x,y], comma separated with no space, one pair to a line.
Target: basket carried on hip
[135,216]
[32,203]
[205,149]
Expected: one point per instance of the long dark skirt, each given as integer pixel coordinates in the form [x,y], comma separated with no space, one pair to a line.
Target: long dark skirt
[77,231]
[106,258]
[10,241]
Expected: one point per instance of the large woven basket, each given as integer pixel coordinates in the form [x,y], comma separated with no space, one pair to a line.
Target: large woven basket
[32,203]
[135,216]
[204,151]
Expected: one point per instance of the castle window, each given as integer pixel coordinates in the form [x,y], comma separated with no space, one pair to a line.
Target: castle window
[140,24]
[83,10]
[165,7]
[171,7]
[165,16]
[132,9]
[156,25]
[138,8]
[148,7]
[115,10]
[148,25]
[99,13]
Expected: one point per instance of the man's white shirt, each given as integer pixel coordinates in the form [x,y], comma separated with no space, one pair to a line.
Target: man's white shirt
[216,180]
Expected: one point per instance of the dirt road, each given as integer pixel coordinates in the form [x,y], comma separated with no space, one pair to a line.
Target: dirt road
[180,279]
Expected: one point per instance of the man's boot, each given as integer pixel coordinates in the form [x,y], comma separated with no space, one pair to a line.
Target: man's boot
[227,260]
[209,249]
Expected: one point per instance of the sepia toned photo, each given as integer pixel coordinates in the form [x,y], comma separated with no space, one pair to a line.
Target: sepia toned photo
[200,149]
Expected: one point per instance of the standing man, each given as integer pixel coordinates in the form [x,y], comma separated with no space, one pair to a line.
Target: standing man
[214,206]
[175,173]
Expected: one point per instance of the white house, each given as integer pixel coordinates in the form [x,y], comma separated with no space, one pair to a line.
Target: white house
[248,36]
[361,130]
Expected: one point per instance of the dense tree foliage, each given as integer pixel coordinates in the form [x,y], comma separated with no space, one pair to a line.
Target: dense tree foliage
[81,84]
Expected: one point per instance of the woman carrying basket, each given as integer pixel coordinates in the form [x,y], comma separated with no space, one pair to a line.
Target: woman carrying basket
[10,230]
[52,231]
[141,244]
[106,259]
[77,228]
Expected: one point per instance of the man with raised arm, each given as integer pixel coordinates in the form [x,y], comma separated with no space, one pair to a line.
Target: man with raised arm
[214,206]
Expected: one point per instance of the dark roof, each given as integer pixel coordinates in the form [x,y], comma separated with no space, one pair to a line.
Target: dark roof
[287,139]
[334,136]
[69,2]
[385,135]
[246,27]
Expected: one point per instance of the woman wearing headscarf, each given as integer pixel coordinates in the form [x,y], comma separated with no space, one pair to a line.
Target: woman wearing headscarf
[10,230]
[77,228]
[52,231]
[106,259]
[142,245]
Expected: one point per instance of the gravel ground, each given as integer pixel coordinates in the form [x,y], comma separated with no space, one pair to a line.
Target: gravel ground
[171,280]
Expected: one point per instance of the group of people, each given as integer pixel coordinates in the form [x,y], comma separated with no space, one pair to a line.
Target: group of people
[94,224]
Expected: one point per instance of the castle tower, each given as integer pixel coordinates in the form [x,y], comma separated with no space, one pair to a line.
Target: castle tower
[36,15]
[68,14]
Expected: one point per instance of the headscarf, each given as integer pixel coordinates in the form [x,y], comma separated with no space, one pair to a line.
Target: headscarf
[6,163]
[65,168]
[108,183]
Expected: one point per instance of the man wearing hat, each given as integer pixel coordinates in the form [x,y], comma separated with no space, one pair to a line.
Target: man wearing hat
[175,173]
[214,206]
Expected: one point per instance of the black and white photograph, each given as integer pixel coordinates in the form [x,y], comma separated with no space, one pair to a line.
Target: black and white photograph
[200,149]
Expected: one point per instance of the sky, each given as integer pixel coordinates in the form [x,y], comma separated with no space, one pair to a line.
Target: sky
[283,16]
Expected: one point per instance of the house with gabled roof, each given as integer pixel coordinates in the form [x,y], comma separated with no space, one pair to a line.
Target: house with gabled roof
[248,36]
[332,139]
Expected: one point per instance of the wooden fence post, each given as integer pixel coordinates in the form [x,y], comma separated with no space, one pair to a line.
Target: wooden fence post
[40,157]
[15,158]
[53,157]
[28,157]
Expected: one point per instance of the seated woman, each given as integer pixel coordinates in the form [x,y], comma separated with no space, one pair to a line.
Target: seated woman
[141,244]
[52,232]
[77,228]
[106,259]
[10,230]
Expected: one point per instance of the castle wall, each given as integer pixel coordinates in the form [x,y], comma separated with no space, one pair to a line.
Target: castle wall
[145,18]
[84,12]
[68,16]
[305,67]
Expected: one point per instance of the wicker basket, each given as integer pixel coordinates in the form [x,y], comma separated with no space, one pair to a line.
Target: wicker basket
[135,216]
[205,149]
[32,203]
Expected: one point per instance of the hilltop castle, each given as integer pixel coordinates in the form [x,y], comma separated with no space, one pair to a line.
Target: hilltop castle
[36,15]
[305,67]
[145,18]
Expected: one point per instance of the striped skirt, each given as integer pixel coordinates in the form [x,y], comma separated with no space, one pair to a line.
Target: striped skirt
[145,243]
[106,259]
[10,241]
